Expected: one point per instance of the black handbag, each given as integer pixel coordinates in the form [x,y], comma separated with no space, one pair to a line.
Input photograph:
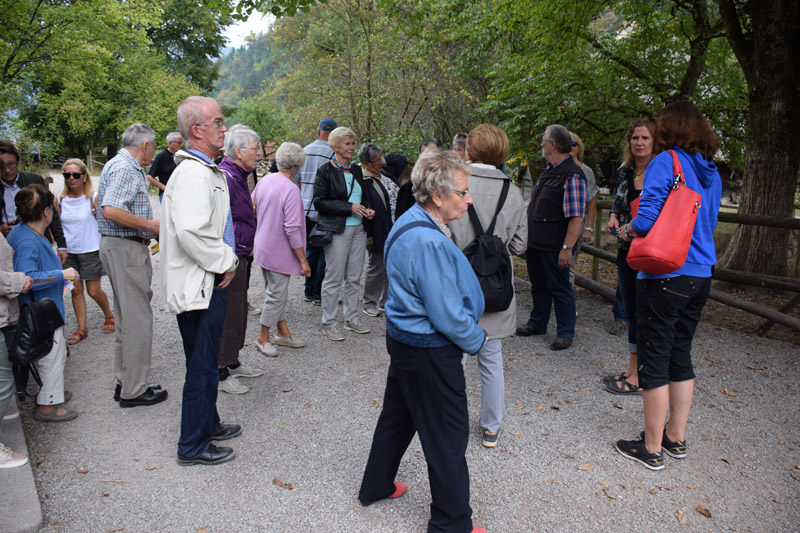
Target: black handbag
[38,321]
[319,237]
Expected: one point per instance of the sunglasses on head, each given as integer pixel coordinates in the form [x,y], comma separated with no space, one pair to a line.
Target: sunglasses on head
[72,175]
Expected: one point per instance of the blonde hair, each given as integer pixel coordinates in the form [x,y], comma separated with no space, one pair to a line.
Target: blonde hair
[87,184]
[338,135]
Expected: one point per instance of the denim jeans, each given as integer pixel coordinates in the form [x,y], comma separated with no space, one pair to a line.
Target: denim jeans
[201,331]
[550,288]
[315,255]
[619,307]
[626,282]
[668,311]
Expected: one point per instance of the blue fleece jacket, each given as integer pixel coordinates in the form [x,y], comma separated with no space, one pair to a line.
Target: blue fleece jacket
[434,296]
[702,177]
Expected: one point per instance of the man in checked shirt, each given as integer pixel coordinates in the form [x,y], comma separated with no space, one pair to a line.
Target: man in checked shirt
[555,222]
[125,221]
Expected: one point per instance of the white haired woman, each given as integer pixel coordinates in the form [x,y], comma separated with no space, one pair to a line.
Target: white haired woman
[382,193]
[280,244]
[77,207]
[242,151]
[342,204]
[432,315]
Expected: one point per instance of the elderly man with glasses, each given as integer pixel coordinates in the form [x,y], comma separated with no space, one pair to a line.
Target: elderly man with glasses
[15,179]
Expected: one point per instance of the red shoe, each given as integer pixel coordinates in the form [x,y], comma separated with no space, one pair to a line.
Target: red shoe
[477,529]
[400,488]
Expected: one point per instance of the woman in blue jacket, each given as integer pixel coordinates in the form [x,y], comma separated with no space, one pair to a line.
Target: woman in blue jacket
[34,255]
[668,306]
[432,315]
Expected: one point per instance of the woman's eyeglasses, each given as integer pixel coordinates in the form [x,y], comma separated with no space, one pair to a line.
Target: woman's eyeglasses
[72,175]
[460,193]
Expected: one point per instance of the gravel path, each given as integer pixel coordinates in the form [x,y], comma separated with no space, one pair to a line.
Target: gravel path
[308,425]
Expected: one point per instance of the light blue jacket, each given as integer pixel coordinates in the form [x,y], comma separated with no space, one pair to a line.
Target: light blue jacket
[434,295]
[702,177]
[34,255]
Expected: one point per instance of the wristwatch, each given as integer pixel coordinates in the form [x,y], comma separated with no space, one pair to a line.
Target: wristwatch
[565,247]
[625,231]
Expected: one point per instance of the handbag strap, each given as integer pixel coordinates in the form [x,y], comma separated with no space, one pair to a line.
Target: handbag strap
[677,171]
[473,215]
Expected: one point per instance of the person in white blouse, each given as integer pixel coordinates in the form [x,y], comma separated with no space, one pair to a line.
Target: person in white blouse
[77,206]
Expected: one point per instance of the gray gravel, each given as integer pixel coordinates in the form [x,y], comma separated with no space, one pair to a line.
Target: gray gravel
[308,422]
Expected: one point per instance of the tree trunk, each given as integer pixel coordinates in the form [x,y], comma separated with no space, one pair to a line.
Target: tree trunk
[769,54]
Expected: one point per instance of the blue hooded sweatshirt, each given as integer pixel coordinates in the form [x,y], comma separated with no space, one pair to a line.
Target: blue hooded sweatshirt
[702,177]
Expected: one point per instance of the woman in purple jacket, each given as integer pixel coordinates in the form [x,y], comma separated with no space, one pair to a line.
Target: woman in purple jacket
[242,151]
[280,244]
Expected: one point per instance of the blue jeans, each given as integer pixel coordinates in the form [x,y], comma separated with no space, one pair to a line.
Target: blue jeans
[550,288]
[619,307]
[315,255]
[201,331]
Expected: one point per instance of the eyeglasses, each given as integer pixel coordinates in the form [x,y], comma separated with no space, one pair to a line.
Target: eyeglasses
[462,194]
[72,175]
[12,164]
[220,123]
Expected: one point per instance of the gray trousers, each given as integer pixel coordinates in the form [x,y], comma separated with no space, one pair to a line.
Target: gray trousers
[493,387]
[376,284]
[128,266]
[276,287]
[344,261]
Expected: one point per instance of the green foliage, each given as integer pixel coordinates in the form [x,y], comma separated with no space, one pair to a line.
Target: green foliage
[260,114]
[247,70]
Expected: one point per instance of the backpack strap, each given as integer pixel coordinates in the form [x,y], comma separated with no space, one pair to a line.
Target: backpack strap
[409,226]
[473,215]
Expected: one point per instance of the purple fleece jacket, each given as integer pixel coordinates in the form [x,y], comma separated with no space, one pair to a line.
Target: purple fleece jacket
[244,221]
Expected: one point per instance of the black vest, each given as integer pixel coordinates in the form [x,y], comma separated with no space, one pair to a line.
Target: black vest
[547,225]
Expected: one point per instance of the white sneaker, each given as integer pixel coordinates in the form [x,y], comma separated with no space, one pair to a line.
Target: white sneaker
[253,310]
[10,458]
[356,327]
[231,385]
[244,371]
[267,349]
[11,412]
[289,342]
[334,333]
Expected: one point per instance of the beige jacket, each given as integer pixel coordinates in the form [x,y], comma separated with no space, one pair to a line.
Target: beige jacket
[194,213]
[485,185]
[10,284]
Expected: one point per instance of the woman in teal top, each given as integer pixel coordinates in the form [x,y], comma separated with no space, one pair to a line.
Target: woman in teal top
[342,208]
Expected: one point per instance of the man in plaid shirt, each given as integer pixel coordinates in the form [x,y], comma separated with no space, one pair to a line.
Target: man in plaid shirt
[555,222]
[125,221]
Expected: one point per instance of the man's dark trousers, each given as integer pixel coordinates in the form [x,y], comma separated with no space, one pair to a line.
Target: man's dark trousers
[201,331]
[550,287]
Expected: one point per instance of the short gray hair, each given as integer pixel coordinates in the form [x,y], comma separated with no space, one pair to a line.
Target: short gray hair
[436,172]
[137,134]
[190,112]
[239,136]
[338,135]
[367,152]
[560,136]
[173,136]
[290,157]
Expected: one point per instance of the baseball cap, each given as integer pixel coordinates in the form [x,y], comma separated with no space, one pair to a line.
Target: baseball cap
[327,124]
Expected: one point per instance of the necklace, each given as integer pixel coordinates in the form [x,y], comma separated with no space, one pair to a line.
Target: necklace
[336,163]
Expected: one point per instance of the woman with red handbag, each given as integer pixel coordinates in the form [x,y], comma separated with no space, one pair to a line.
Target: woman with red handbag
[630,180]
[669,304]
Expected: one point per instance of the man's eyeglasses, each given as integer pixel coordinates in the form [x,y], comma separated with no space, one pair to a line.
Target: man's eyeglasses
[462,194]
[72,175]
[12,164]
[220,123]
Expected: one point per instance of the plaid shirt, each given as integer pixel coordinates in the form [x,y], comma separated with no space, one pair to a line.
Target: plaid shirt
[123,184]
[574,193]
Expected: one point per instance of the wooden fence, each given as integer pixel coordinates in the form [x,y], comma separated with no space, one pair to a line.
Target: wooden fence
[772,316]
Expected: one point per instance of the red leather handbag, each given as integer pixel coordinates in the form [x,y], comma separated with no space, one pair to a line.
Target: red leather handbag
[666,245]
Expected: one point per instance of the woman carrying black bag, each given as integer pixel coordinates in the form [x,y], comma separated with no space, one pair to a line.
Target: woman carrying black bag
[35,257]
[11,284]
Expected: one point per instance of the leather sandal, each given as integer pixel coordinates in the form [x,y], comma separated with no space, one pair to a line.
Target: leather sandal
[109,326]
[77,337]
[626,388]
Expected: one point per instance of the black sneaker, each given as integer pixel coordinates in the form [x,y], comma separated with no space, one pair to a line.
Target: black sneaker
[490,440]
[634,449]
[675,449]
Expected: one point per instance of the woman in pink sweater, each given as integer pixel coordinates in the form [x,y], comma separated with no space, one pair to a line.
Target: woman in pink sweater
[280,254]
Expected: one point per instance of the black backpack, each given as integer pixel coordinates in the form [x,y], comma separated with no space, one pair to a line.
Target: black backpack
[489,259]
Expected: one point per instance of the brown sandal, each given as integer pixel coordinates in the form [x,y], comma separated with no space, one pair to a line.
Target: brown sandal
[77,337]
[109,326]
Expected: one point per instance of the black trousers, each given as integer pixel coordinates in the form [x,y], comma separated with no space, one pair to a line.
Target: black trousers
[425,393]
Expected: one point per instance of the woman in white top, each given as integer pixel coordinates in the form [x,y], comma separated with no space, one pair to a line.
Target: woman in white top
[77,207]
